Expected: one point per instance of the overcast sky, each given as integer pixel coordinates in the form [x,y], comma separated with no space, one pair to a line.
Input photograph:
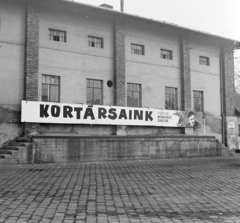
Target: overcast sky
[220,17]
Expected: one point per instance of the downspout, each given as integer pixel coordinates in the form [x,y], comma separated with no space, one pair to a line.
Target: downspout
[223,102]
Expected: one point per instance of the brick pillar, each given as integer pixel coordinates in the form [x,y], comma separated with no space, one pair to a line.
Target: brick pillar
[119,63]
[228,81]
[228,100]
[119,70]
[185,74]
[31,51]
[31,59]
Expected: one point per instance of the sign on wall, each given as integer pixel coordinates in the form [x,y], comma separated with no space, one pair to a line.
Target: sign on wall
[46,112]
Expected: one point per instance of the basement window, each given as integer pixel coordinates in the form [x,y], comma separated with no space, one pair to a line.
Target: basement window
[95,42]
[204,61]
[137,49]
[166,54]
[58,35]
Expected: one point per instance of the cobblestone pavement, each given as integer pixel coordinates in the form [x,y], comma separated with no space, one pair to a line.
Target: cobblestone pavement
[163,190]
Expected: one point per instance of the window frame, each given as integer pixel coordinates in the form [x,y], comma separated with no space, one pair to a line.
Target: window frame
[176,98]
[51,37]
[95,38]
[166,51]
[49,85]
[202,100]
[136,51]
[134,91]
[205,61]
[87,87]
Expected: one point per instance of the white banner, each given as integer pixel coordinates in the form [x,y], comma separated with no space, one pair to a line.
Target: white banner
[46,112]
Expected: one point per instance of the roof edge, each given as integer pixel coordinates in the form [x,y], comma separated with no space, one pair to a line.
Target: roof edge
[148,19]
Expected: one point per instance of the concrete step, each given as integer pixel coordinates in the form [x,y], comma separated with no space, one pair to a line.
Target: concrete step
[5,156]
[13,153]
[23,139]
[19,143]
[17,148]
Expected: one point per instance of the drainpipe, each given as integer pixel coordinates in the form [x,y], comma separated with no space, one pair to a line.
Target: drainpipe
[223,102]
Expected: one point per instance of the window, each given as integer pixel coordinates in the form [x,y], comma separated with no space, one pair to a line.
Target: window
[57,35]
[170,98]
[166,54]
[204,61]
[50,88]
[133,95]
[198,100]
[137,49]
[95,42]
[94,92]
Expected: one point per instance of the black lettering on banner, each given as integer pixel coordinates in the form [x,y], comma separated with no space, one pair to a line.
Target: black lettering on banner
[138,115]
[112,113]
[89,112]
[130,115]
[102,113]
[67,111]
[44,111]
[78,112]
[55,111]
[148,115]
[122,114]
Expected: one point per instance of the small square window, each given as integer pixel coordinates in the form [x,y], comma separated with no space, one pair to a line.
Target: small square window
[204,61]
[57,35]
[137,49]
[166,54]
[95,42]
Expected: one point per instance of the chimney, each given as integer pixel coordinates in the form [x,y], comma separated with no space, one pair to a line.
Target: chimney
[122,5]
[106,6]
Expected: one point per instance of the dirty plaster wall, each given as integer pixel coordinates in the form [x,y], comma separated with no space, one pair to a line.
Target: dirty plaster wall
[77,149]
[12,14]
[74,61]
[150,70]
[207,79]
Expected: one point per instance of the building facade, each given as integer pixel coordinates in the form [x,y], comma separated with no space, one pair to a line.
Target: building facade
[64,52]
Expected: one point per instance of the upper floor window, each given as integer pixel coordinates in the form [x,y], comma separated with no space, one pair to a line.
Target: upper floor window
[204,61]
[95,42]
[166,54]
[50,88]
[198,100]
[133,95]
[137,49]
[94,92]
[57,35]
[170,98]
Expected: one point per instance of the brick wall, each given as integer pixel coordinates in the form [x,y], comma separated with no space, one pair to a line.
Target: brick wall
[119,63]
[229,86]
[32,51]
[185,73]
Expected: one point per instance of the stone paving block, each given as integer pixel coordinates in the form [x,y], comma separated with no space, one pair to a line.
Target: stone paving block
[166,190]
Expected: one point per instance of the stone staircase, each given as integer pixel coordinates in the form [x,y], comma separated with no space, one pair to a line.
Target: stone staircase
[16,152]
